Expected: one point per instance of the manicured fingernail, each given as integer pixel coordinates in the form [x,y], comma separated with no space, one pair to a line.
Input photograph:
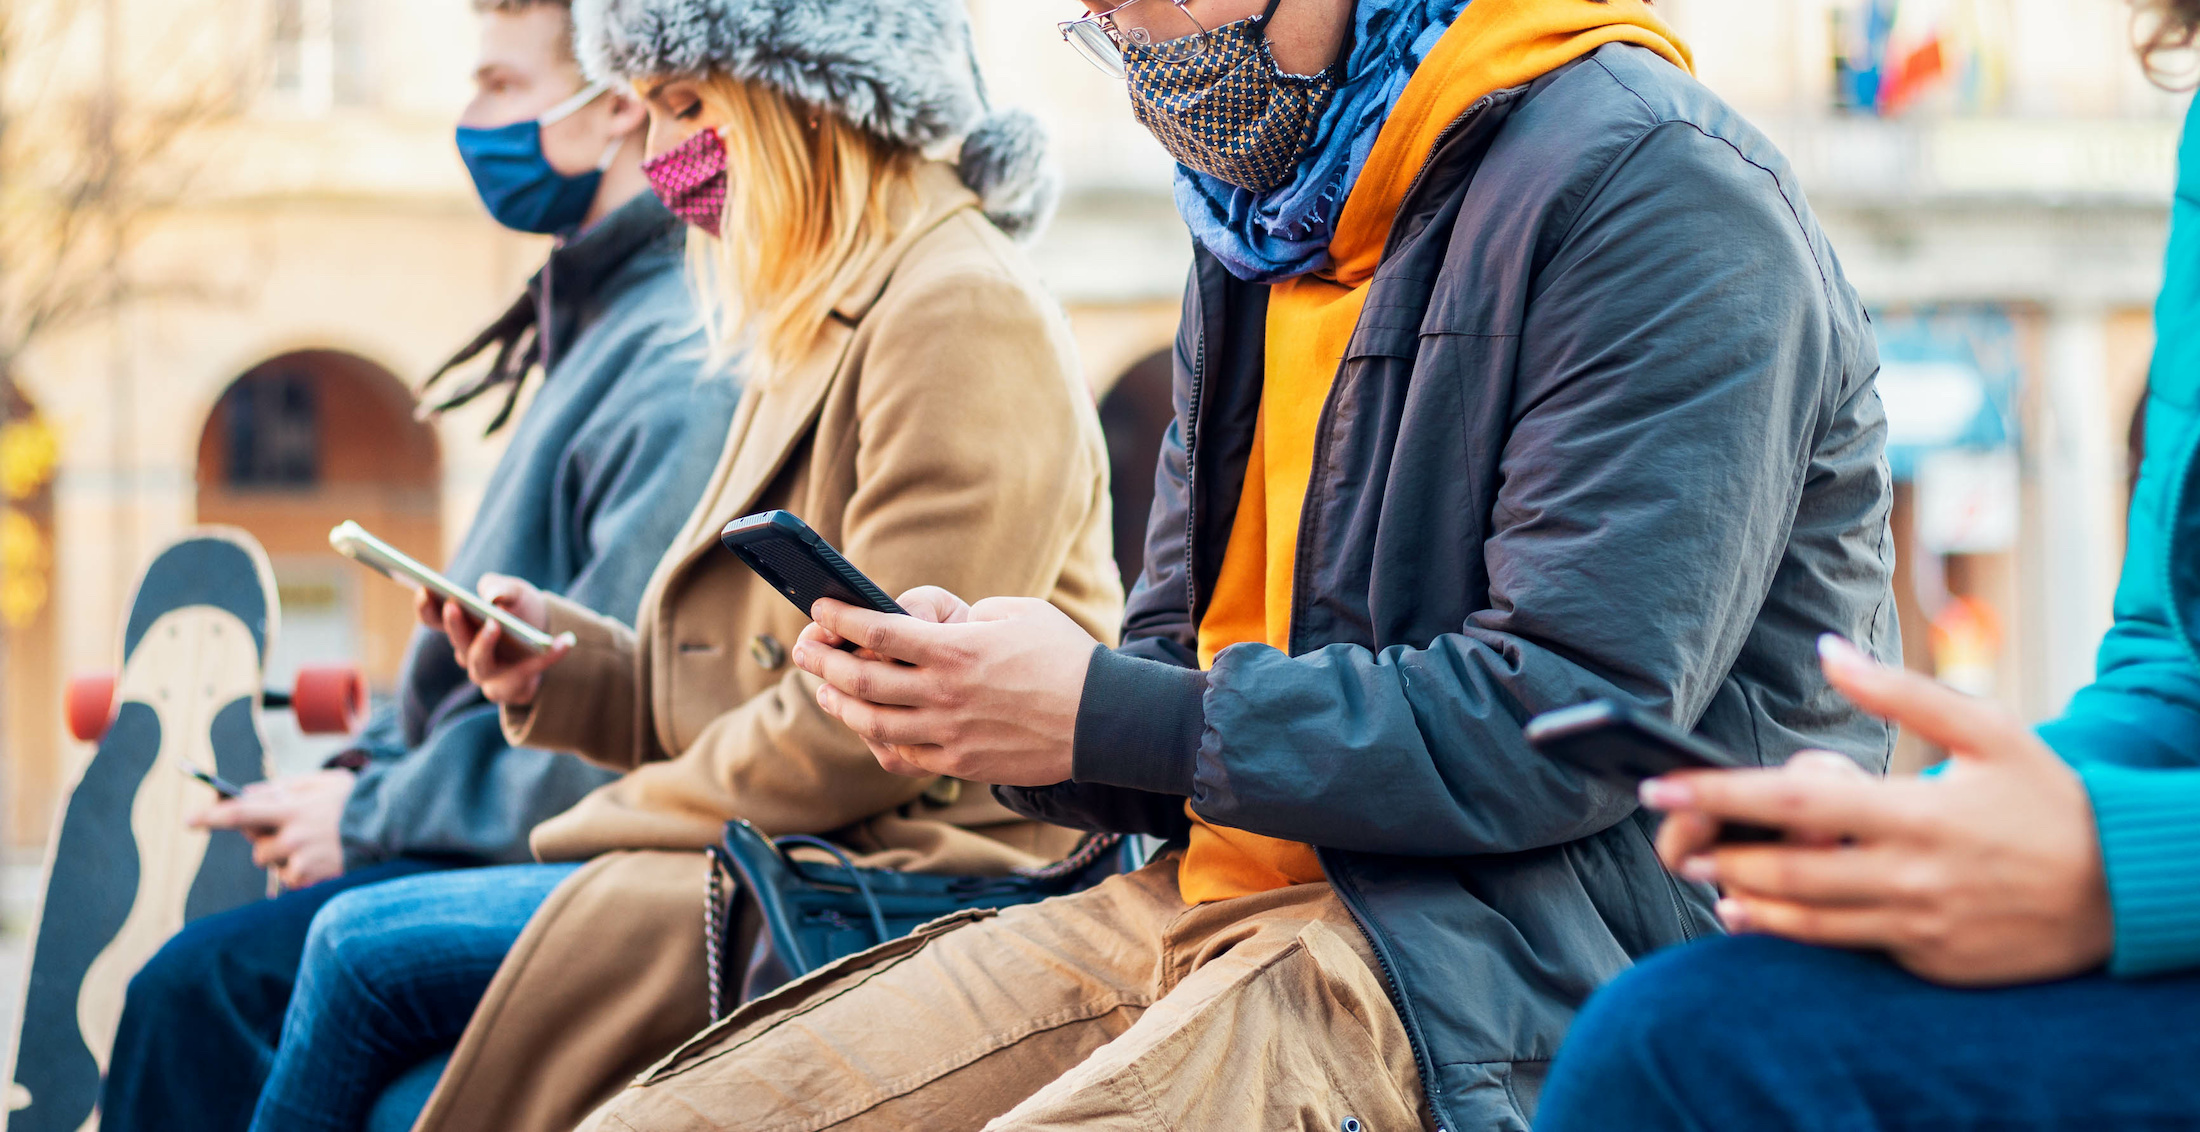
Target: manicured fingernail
[1733,915]
[1665,794]
[567,640]
[1701,868]
[1835,649]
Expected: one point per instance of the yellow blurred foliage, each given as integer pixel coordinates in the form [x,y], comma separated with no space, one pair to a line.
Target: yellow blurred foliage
[28,452]
[24,557]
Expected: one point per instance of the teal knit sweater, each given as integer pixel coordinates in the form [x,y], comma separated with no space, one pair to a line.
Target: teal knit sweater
[2134,734]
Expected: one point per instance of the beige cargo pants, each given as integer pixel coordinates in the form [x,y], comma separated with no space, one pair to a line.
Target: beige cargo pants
[1120,1007]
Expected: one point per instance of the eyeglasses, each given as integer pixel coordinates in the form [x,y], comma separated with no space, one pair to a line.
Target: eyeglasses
[1162,26]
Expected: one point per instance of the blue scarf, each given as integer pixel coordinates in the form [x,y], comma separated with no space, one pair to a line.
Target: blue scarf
[1272,236]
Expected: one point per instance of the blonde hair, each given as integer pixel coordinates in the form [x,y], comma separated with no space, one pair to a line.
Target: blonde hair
[810,199]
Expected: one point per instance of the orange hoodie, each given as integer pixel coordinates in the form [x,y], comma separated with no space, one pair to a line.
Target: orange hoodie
[1493,45]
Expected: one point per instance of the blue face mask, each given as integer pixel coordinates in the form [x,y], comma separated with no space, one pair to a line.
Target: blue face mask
[518,184]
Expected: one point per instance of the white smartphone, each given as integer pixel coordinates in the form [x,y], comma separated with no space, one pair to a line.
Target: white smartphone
[352,541]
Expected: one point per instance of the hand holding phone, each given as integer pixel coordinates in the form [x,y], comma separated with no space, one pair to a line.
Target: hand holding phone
[1624,745]
[799,563]
[352,541]
[507,677]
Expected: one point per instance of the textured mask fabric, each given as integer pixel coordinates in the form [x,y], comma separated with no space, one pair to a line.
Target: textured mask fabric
[691,179]
[1228,112]
[1272,235]
[518,184]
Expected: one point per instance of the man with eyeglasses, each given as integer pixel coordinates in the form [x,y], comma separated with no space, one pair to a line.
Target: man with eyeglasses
[1514,372]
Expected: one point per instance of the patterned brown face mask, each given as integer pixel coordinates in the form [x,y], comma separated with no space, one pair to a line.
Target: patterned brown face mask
[1228,112]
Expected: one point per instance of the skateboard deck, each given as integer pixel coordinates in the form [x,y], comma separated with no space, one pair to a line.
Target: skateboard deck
[124,872]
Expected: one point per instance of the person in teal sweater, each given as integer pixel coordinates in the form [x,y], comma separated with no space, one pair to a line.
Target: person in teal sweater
[2009,941]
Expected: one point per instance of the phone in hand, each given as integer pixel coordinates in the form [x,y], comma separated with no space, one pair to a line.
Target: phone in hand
[799,563]
[228,790]
[352,541]
[1624,745]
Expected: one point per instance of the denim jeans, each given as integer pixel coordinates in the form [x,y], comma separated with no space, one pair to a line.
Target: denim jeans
[1756,1033]
[200,1020]
[391,975]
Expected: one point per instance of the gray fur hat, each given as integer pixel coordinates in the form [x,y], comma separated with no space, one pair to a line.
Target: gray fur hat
[902,69]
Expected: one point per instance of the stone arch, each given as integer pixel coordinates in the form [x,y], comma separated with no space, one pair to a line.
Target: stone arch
[298,443]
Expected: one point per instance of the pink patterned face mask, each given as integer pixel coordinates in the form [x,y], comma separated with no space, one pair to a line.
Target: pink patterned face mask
[691,179]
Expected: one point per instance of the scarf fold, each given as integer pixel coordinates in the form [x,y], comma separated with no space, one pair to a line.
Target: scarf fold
[1263,237]
[1420,63]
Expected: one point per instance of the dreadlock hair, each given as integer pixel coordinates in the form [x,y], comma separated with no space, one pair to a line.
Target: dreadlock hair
[2166,27]
[517,336]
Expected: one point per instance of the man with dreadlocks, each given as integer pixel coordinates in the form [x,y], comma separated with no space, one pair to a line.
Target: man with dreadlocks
[600,471]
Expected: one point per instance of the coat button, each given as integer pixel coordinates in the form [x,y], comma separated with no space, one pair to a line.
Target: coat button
[767,652]
[1349,1124]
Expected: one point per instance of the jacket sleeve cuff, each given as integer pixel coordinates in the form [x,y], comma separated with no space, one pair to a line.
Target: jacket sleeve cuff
[585,704]
[1139,724]
[2149,823]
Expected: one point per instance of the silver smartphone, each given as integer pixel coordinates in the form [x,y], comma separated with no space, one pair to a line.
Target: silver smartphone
[352,541]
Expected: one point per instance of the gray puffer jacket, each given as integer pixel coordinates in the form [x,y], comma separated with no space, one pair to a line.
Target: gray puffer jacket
[601,471]
[1607,427]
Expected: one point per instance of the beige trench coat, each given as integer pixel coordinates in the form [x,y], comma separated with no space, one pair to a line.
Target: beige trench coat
[937,433]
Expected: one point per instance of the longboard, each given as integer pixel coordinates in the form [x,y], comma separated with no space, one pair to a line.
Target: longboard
[124,872]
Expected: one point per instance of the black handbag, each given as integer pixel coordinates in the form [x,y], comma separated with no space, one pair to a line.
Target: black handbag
[807,913]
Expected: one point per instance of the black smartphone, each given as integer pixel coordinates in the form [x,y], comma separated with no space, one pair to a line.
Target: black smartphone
[1624,745]
[799,563]
[219,785]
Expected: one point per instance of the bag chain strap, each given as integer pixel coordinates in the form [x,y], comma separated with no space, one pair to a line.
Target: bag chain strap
[715,909]
[1091,849]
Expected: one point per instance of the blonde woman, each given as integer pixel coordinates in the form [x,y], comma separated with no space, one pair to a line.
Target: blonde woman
[912,397]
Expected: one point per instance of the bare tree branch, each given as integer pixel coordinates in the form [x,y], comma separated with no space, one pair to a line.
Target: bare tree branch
[87,162]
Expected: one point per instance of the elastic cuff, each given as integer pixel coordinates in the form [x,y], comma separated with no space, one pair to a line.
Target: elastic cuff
[2149,823]
[1139,724]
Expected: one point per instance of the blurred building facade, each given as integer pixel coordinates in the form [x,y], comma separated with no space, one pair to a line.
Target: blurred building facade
[318,252]
[1994,174]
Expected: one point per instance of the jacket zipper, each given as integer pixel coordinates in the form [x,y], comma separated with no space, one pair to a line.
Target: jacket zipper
[1365,923]
[1191,467]
[1360,918]
[2163,569]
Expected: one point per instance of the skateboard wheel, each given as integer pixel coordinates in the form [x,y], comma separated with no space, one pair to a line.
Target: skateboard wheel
[329,701]
[90,706]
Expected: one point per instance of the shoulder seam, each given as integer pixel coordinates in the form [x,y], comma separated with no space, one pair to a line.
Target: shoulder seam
[1795,215]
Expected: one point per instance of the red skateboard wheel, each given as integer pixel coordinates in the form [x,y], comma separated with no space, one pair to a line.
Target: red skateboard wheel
[89,703]
[330,700]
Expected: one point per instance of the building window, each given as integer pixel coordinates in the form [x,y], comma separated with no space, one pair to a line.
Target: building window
[319,54]
[274,426]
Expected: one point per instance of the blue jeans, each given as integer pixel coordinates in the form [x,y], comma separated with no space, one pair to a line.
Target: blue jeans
[391,975]
[1756,1033]
[200,1020]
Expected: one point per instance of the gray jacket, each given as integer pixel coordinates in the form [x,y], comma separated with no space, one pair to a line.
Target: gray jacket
[1607,427]
[601,471]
